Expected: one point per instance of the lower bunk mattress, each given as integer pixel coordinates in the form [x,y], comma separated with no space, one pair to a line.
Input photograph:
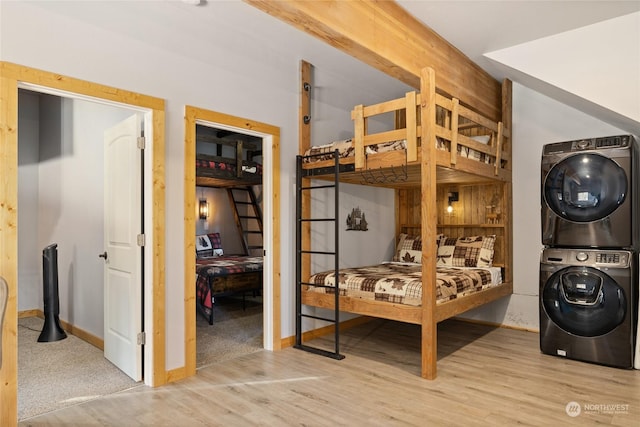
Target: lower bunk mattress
[225,275]
[401,283]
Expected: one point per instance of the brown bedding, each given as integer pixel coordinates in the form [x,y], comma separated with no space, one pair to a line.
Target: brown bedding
[401,283]
[346,149]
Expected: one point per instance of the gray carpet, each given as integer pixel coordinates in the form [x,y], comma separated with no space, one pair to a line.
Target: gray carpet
[53,375]
[235,330]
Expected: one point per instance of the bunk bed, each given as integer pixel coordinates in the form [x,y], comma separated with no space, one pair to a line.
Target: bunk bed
[224,276]
[439,152]
[241,167]
[235,166]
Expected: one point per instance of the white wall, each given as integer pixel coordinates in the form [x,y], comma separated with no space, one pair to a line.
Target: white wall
[220,220]
[537,120]
[29,252]
[595,68]
[249,69]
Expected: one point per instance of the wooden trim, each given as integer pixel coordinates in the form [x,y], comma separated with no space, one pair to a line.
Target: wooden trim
[408,128]
[429,219]
[358,135]
[192,115]
[30,313]
[382,309]
[325,330]
[9,242]
[356,28]
[411,127]
[177,374]
[449,309]
[158,224]
[10,76]
[406,313]
[455,106]
[68,327]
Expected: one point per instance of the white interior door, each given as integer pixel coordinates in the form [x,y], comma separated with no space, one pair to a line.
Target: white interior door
[123,255]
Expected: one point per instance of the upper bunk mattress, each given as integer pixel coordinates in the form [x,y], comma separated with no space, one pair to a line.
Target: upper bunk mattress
[346,149]
[401,283]
[228,167]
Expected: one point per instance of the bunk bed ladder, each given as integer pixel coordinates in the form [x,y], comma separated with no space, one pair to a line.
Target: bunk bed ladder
[300,252]
[248,217]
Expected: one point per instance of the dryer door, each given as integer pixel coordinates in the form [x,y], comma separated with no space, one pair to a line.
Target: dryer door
[584,301]
[585,187]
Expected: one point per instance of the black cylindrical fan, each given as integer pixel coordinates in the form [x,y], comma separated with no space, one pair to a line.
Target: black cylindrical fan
[51,331]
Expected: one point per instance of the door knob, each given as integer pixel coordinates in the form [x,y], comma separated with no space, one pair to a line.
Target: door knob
[103,255]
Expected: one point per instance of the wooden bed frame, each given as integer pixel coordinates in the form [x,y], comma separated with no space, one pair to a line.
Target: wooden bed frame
[210,177]
[421,197]
[232,284]
[235,283]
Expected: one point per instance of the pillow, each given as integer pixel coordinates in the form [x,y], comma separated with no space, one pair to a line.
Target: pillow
[409,248]
[472,251]
[203,246]
[482,139]
[216,242]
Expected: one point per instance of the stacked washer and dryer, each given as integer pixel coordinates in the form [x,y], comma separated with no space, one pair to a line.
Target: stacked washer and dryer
[589,265]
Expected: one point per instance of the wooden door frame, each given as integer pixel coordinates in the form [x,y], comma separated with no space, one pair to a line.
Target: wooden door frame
[268,132]
[11,76]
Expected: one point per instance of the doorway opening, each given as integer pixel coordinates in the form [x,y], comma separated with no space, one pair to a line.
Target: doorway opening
[62,139]
[255,148]
[229,244]
[15,77]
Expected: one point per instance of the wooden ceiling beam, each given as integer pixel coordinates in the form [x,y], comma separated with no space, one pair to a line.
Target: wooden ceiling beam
[385,36]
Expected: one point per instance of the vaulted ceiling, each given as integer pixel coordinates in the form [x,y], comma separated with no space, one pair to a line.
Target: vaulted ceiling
[535,43]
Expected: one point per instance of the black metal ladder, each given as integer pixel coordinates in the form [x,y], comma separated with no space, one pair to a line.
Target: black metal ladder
[300,252]
[248,217]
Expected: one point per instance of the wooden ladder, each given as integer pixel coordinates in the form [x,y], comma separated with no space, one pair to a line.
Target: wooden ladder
[248,217]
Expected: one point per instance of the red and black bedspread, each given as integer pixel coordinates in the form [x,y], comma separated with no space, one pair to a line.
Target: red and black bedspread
[226,275]
[401,283]
[217,166]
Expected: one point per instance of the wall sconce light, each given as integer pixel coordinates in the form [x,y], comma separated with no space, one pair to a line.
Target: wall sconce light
[453,197]
[203,209]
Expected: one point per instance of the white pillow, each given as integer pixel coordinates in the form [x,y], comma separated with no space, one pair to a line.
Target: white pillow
[482,139]
[203,246]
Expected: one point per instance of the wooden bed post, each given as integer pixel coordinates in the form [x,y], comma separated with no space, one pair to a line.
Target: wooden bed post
[429,348]
[507,197]
[454,130]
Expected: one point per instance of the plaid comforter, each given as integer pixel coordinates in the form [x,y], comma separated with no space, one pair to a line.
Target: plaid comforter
[346,149]
[401,283]
[208,268]
[229,167]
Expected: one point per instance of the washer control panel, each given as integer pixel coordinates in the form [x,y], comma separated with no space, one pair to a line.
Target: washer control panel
[620,141]
[587,257]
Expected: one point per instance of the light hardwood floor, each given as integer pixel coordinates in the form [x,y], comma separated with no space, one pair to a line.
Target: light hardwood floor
[486,376]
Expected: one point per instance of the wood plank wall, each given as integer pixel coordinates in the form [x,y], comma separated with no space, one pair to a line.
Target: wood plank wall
[468,218]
